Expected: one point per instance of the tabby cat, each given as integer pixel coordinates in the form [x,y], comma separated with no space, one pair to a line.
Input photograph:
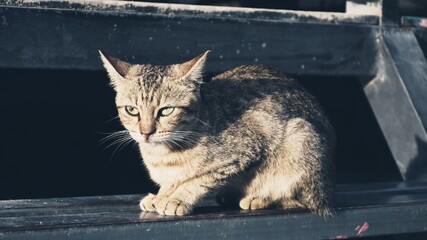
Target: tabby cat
[253,135]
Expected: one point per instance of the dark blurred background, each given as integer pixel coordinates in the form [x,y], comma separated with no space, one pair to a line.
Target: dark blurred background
[52,122]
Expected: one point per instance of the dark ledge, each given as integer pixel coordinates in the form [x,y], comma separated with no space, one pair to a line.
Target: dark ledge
[377,209]
[55,34]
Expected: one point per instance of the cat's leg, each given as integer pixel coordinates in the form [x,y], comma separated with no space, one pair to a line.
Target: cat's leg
[180,198]
[307,157]
[253,203]
[315,194]
[257,195]
[230,194]
[188,193]
[147,203]
[292,177]
[252,197]
[230,198]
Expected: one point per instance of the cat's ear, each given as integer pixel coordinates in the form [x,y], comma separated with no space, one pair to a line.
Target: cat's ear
[193,69]
[116,68]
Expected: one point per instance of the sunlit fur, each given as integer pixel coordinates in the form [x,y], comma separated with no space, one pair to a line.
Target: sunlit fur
[252,134]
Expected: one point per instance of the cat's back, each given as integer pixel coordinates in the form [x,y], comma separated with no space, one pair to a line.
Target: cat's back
[252,84]
[249,72]
[255,88]
[249,82]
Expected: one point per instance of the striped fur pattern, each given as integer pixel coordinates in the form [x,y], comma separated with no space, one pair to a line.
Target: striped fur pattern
[251,134]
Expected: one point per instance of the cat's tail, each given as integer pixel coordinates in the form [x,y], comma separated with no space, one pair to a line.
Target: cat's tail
[317,195]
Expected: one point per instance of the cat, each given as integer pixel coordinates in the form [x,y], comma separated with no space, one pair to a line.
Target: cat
[252,134]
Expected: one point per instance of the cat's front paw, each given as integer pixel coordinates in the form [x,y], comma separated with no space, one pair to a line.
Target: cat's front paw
[172,207]
[147,203]
[252,203]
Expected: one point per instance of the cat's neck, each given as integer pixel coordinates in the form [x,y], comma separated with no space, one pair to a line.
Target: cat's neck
[160,155]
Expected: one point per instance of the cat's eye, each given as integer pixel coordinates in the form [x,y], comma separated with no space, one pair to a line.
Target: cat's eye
[166,111]
[133,111]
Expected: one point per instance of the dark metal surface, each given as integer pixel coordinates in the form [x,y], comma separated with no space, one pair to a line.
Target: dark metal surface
[385,208]
[421,34]
[413,7]
[57,34]
[398,96]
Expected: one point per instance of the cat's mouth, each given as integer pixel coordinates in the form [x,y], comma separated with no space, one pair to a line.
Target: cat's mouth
[140,138]
[173,140]
[154,138]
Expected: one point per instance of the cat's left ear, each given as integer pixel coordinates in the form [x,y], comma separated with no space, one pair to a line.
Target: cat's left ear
[193,69]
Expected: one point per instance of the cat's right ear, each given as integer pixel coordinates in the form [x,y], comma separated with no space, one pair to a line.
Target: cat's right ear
[116,68]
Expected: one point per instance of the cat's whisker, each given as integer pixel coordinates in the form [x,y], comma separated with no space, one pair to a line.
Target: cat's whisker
[118,141]
[114,135]
[170,142]
[111,119]
[115,150]
[167,143]
[109,133]
[121,143]
[204,123]
[175,143]
[189,134]
[183,139]
[186,138]
[134,144]
[125,143]
[116,138]
[112,138]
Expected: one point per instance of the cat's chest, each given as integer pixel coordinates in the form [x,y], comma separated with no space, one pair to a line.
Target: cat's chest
[166,175]
[169,168]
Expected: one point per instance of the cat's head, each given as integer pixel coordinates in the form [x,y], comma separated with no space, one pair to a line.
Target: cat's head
[158,104]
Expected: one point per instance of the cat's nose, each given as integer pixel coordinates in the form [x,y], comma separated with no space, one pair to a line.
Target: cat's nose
[147,134]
